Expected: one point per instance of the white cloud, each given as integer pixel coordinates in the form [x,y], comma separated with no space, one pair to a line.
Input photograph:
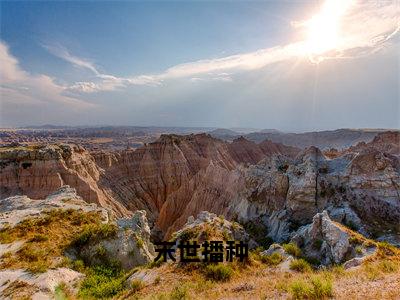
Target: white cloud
[18,87]
[64,54]
[366,27]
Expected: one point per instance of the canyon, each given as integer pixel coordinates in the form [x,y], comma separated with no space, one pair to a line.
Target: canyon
[275,186]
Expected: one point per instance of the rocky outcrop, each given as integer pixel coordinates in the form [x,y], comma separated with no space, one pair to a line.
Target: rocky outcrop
[360,190]
[334,242]
[15,209]
[130,245]
[178,176]
[208,226]
[39,171]
[388,142]
[128,241]
[19,284]
[325,240]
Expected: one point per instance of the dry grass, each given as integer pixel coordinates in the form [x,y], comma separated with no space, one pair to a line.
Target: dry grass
[45,238]
[270,282]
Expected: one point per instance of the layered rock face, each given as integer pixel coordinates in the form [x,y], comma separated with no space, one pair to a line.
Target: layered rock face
[179,176]
[38,172]
[172,178]
[359,189]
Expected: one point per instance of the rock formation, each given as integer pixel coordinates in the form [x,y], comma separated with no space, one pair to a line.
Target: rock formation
[130,245]
[208,226]
[179,176]
[172,178]
[360,189]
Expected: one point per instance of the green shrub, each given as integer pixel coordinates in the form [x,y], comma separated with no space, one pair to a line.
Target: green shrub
[273,259]
[139,242]
[388,266]
[102,282]
[78,265]
[179,292]
[292,249]
[137,285]
[101,251]
[300,265]
[155,264]
[219,272]
[94,232]
[62,292]
[317,287]
[300,289]
[39,238]
[188,235]
[322,287]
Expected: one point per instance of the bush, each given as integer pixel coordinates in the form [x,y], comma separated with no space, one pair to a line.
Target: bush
[273,259]
[94,232]
[322,287]
[292,249]
[179,293]
[137,285]
[317,287]
[102,282]
[39,238]
[219,272]
[388,266]
[300,265]
[300,289]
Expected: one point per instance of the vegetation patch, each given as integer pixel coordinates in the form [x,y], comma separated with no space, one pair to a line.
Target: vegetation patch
[292,249]
[300,265]
[316,287]
[218,272]
[46,237]
[93,233]
[136,285]
[102,282]
[273,259]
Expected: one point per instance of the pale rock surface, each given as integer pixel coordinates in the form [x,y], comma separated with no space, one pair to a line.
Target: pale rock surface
[219,228]
[43,284]
[147,277]
[334,245]
[275,248]
[18,208]
[130,246]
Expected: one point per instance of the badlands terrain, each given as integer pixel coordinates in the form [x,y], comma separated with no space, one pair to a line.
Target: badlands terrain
[80,210]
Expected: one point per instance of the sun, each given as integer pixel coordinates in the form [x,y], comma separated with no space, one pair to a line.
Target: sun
[323,29]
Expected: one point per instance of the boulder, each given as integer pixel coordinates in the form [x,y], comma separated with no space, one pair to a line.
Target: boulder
[20,284]
[275,248]
[208,226]
[130,245]
[324,240]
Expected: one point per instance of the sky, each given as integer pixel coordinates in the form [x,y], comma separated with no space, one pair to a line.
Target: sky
[288,65]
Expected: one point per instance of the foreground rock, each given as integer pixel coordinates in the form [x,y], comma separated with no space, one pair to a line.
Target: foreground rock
[327,241]
[208,226]
[101,241]
[19,284]
[15,209]
[129,245]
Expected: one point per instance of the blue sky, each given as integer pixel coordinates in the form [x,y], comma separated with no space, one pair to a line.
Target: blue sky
[217,64]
